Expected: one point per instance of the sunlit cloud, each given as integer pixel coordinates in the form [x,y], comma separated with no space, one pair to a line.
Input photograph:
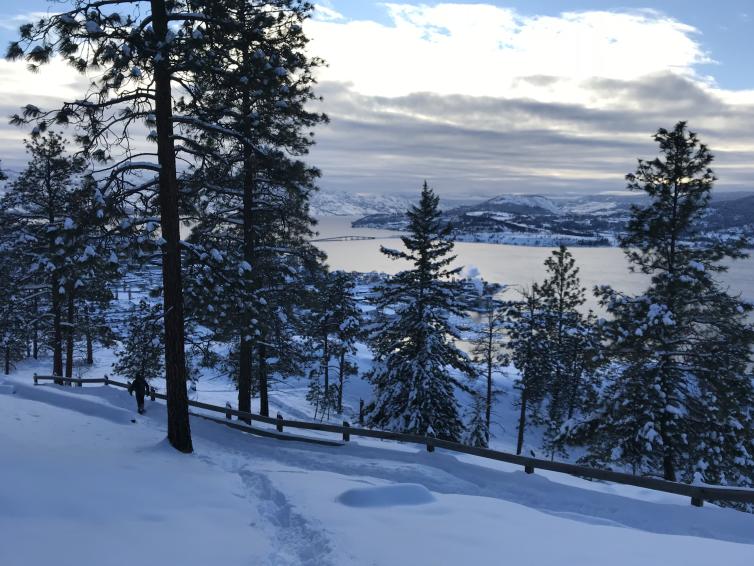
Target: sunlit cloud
[482,99]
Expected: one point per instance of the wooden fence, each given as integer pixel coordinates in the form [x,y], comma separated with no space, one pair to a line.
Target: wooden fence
[697,493]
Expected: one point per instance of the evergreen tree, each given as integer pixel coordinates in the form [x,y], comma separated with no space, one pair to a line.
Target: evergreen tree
[138,58]
[336,320]
[42,200]
[477,431]
[414,352]
[678,402]
[528,349]
[488,343]
[14,323]
[141,351]
[569,344]
[253,193]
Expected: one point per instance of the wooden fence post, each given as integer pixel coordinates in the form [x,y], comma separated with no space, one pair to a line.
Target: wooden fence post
[228,414]
[35,379]
[430,435]
[529,469]
[280,423]
[80,383]
[151,393]
[346,432]
[107,380]
[697,501]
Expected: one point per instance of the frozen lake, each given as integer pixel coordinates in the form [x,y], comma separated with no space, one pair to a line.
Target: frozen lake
[510,265]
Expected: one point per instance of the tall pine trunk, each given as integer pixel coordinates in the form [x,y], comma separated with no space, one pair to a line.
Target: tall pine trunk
[69,337]
[35,331]
[179,430]
[488,401]
[57,331]
[7,359]
[88,336]
[245,366]
[89,348]
[326,363]
[264,403]
[521,422]
[244,377]
[341,379]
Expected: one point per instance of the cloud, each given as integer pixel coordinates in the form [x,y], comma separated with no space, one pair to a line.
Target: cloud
[487,145]
[326,13]
[480,99]
[481,49]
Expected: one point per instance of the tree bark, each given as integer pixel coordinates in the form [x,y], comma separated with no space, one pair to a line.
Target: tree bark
[264,403]
[245,367]
[488,404]
[57,331]
[341,379]
[179,430]
[69,337]
[7,360]
[244,377]
[89,348]
[521,422]
[326,363]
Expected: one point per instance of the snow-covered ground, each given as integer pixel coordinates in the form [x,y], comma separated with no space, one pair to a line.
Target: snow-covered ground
[87,481]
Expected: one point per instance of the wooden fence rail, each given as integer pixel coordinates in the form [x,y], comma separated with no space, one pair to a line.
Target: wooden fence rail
[697,493]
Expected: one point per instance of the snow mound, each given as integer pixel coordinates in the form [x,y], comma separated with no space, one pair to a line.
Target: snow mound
[386,496]
[6,388]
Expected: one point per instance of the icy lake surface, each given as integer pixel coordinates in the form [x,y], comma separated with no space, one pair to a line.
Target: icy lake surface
[511,265]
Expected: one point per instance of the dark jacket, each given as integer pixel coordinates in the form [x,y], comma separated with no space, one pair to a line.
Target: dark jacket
[139,386]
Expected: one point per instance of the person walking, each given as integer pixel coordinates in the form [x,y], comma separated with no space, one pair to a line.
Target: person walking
[139,386]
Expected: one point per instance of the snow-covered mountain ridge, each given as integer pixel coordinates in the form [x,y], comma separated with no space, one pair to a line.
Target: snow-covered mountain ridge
[344,203]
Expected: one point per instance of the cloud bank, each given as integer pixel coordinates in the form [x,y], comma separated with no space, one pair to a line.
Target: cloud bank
[480,99]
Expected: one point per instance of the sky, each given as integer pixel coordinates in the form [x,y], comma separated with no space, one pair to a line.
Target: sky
[483,98]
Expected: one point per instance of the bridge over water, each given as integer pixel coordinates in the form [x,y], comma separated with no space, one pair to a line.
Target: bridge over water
[343,238]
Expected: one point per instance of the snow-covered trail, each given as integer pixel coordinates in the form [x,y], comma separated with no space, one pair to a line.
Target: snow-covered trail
[99,489]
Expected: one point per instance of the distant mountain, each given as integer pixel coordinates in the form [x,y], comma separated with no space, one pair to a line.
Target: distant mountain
[342,203]
[519,204]
[588,220]
[732,213]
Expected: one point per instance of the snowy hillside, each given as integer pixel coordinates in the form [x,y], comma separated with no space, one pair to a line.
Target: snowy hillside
[341,203]
[117,495]
[522,202]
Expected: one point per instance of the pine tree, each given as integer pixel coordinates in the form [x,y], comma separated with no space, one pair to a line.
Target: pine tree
[253,192]
[138,58]
[413,350]
[678,402]
[336,320]
[141,351]
[528,349]
[569,344]
[477,431]
[14,325]
[488,343]
[42,199]
[12,319]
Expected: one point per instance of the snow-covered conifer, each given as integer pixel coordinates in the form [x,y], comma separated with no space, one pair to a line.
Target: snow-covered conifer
[487,344]
[678,399]
[414,349]
[141,352]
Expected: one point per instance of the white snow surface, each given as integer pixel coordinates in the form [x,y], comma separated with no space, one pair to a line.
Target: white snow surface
[84,485]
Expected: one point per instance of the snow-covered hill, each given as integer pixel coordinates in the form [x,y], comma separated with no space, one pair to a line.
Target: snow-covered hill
[341,203]
[518,203]
[99,486]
